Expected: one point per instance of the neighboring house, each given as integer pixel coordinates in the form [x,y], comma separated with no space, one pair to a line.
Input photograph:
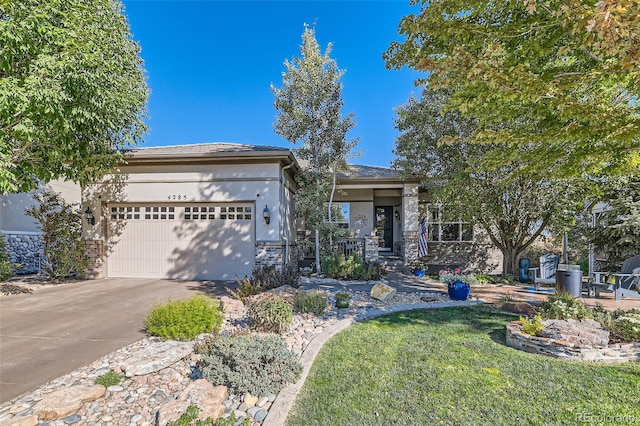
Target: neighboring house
[21,231]
[203,212]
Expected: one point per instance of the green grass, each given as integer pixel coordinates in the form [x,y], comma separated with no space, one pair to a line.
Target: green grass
[451,366]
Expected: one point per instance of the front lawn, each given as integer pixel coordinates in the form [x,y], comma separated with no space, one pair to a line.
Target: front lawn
[451,366]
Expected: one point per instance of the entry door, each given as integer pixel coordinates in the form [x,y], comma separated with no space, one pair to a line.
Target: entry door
[384,223]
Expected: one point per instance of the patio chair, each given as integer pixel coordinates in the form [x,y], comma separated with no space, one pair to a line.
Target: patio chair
[546,273]
[626,281]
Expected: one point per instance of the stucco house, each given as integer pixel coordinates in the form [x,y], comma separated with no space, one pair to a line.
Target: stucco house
[20,231]
[204,212]
[215,211]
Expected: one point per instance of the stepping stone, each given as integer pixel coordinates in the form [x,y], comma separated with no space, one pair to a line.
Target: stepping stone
[156,357]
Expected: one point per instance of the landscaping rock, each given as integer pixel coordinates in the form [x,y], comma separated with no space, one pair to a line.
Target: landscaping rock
[62,402]
[155,357]
[383,292]
[250,400]
[21,421]
[228,304]
[171,411]
[581,333]
[521,308]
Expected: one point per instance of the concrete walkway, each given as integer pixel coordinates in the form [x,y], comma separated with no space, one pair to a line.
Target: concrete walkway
[57,329]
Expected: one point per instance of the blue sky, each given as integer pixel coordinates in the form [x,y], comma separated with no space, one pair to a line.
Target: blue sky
[210,65]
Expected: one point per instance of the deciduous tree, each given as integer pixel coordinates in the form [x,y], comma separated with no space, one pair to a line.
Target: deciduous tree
[512,209]
[309,115]
[564,75]
[72,90]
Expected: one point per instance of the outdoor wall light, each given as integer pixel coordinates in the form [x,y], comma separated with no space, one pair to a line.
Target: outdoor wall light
[397,215]
[266,214]
[88,214]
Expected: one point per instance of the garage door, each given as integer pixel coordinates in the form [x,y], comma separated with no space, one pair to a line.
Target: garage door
[199,241]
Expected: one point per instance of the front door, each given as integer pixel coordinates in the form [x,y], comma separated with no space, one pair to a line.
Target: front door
[384,223]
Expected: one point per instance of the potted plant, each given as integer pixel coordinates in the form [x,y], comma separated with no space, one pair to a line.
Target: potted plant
[342,299]
[458,286]
[419,269]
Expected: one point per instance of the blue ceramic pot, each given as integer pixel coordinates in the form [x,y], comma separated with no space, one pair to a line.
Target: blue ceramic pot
[419,272]
[459,290]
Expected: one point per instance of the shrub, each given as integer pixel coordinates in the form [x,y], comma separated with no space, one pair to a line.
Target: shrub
[257,364]
[532,326]
[314,302]
[564,306]
[190,418]
[339,267]
[110,378]
[232,420]
[6,269]
[271,313]
[266,278]
[61,226]
[184,319]
[450,277]
[627,325]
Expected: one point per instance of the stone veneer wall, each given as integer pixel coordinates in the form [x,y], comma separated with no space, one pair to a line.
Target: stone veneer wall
[273,253]
[465,255]
[25,248]
[410,247]
[619,352]
[94,250]
[371,248]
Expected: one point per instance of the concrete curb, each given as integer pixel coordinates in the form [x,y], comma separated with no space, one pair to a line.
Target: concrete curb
[283,403]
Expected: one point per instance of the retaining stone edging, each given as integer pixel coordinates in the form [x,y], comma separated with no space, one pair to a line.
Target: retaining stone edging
[618,352]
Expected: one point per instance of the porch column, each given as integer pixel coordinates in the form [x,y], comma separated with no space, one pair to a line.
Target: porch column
[410,222]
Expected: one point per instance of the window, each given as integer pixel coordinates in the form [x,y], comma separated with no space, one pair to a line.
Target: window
[340,214]
[443,227]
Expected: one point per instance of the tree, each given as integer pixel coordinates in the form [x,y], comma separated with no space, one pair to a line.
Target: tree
[617,234]
[564,74]
[512,209]
[61,227]
[72,91]
[309,105]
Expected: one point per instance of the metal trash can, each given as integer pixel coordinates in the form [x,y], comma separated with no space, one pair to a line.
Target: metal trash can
[569,280]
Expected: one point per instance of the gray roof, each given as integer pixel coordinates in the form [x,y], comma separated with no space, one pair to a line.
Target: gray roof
[370,172]
[220,150]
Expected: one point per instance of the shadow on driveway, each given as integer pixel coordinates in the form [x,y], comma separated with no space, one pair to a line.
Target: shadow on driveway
[57,329]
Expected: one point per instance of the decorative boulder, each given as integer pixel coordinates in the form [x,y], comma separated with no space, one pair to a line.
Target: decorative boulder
[228,304]
[383,292]
[62,402]
[581,333]
[522,308]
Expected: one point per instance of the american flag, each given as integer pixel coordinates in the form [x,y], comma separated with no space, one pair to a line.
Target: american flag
[423,248]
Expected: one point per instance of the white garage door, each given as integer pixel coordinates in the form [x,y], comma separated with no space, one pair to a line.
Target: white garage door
[199,241]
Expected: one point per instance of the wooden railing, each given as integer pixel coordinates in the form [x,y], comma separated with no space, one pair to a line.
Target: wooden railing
[350,247]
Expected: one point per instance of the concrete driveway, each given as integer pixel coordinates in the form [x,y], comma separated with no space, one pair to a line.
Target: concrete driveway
[57,329]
